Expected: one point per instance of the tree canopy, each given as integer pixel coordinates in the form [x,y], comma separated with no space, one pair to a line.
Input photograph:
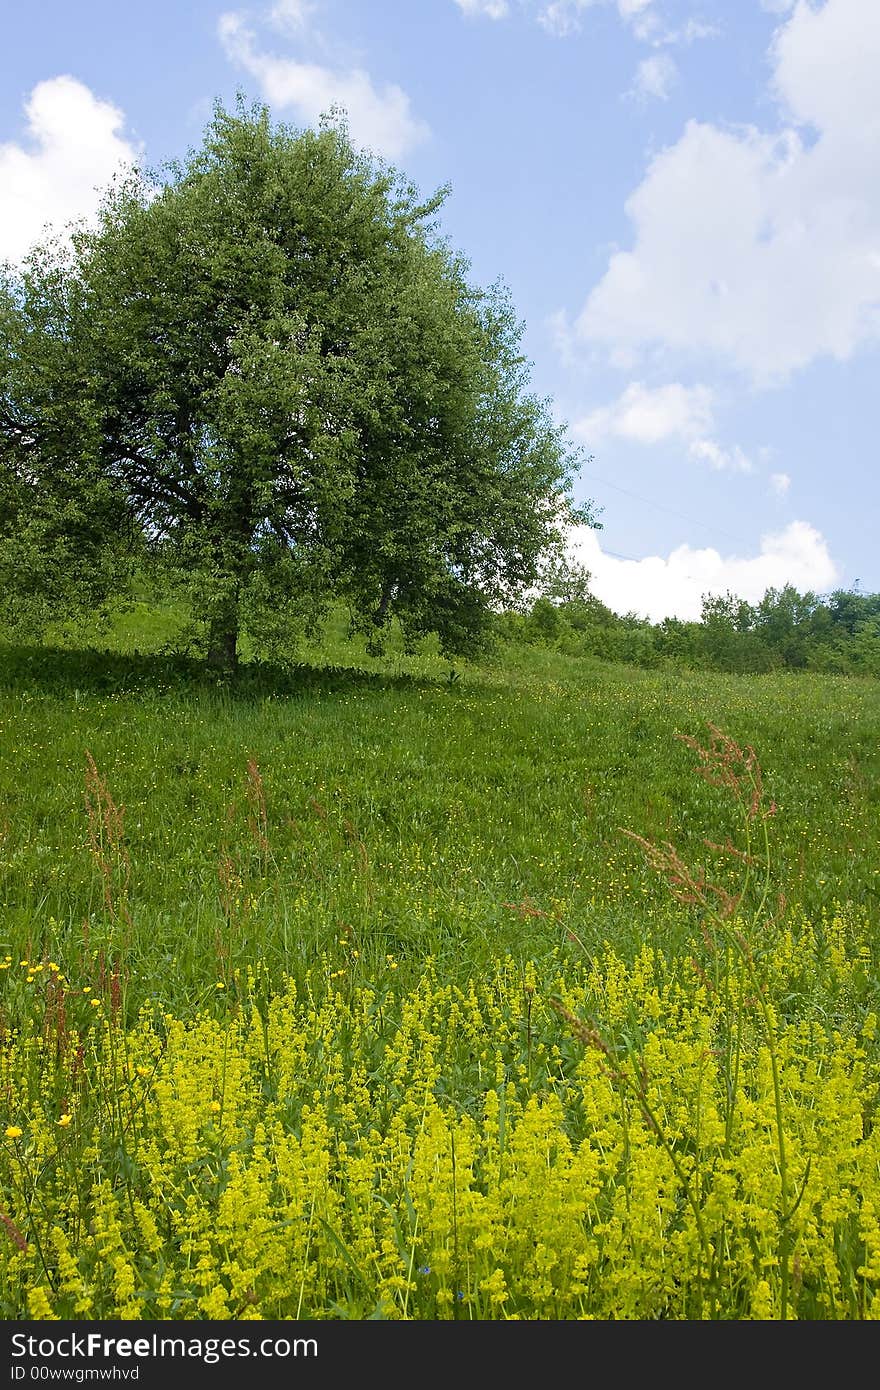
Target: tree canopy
[270,376]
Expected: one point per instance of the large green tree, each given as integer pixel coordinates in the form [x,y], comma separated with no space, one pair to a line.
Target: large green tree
[269,374]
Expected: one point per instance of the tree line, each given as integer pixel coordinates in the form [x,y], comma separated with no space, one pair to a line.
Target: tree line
[786,630]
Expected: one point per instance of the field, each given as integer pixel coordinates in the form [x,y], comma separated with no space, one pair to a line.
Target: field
[345,991]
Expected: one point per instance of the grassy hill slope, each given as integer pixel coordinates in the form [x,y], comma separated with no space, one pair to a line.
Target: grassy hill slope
[360,904]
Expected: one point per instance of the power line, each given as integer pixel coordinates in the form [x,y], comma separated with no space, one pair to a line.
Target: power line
[617,556]
[660,507]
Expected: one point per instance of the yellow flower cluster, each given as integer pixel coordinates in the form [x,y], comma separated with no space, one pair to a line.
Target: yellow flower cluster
[460,1153]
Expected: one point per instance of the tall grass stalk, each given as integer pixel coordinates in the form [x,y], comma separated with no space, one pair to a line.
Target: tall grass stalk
[732,920]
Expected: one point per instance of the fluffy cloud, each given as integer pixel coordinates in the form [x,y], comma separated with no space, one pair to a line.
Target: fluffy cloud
[76,145]
[780,483]
[672,587]
[762,248]
[381,120]
[649,415]
[655,415]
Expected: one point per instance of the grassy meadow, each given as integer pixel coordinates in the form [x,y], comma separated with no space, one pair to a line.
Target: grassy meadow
[345,991]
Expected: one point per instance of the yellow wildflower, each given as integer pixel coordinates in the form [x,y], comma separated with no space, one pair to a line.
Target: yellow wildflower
[38,1303]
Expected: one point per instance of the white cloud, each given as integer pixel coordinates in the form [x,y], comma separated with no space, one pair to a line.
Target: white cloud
[672,587]
[490,9]
[381,120]
[655,76]
[762,247]
[710,451]
[827,61]
[648,415]
[655,415]
[76,145]
[780,483]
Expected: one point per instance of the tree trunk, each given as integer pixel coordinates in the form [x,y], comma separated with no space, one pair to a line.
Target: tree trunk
[232,557]
[223,638]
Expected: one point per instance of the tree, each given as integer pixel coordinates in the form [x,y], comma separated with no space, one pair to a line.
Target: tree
[849,610]
[725,635]
[786,621]
[272,377]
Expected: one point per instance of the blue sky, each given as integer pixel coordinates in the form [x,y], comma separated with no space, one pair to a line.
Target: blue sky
[683,197]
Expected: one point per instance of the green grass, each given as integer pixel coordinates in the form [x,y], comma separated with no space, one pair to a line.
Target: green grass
[341,972]
[412,811]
